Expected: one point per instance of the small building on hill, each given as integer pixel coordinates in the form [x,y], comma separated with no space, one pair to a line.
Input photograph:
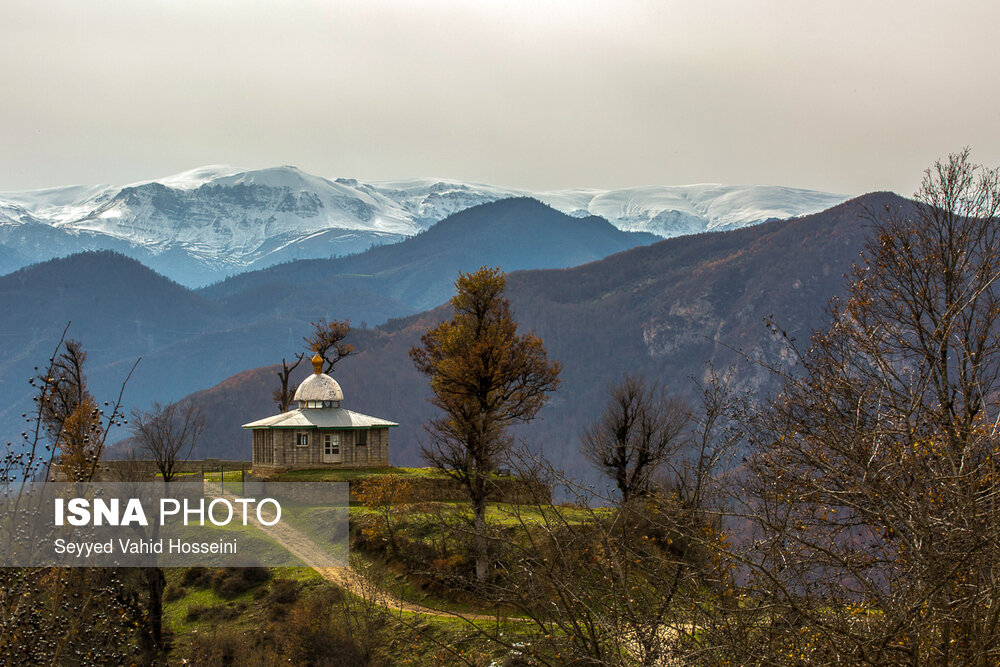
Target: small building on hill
[319,433]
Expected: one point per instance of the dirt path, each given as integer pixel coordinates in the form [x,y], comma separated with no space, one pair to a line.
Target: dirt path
[310,553]
[305,549]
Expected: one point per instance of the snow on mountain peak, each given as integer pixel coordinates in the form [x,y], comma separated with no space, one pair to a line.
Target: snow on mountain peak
[195,178]
[230,219]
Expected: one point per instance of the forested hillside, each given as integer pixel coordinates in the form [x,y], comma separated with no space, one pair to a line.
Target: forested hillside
[121,310]
[668,309]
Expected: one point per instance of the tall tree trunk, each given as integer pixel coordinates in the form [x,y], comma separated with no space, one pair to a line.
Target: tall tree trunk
[479,540]
[154,585]
[481,469]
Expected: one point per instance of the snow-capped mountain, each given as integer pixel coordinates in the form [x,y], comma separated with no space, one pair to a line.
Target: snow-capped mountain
[199,226]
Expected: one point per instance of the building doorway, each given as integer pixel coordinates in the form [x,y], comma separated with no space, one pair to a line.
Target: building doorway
[331,448]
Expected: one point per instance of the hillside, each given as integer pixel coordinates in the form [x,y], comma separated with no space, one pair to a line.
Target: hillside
[513,233]
[121,310]
[666,309]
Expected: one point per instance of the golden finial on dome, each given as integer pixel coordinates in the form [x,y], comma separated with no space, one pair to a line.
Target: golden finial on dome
[317,363]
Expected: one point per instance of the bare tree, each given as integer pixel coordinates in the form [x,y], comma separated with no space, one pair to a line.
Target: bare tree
[607,582]
[60,616]
[328,341]
[640,429]
[874,508]
[284,394]
[131,469]
[66,386]
[168,433]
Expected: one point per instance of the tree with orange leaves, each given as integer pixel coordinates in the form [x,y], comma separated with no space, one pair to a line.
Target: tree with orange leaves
[485,377]
[70,414]
[386,496]
[79,440]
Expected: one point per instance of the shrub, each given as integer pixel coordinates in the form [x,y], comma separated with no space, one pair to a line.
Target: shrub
[317,632]
[218,612]
[230,582]
[197,577]
[284,591]
[172,593]
[228,648]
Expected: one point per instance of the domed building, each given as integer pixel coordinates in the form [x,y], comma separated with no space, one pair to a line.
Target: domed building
[319,433]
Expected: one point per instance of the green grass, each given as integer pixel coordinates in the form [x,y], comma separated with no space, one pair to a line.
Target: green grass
[159,475]
[416,638]
[502,514]
[252,618]
[175,612]
[351,474]
[505,514]
[428,523]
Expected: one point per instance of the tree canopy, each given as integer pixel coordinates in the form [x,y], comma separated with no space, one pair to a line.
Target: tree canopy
[485,377]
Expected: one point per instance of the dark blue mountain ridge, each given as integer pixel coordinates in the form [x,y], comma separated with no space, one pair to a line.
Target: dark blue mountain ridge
[121,310]
[517,233]
[666,310]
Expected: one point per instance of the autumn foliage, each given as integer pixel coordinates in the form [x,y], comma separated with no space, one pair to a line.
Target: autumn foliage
[485,377]
[386,496]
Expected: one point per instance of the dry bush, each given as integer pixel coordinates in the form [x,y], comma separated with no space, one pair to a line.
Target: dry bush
[197,577]
[173,592]
[229,648]
[316,632]
[216,612]
[230,582]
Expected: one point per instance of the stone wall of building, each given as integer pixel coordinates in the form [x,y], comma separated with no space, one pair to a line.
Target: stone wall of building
[280,449]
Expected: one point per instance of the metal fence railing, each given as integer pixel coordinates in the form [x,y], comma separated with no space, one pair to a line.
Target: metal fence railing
[221,480]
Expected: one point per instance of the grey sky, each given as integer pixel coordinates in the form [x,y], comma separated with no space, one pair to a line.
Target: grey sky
[840,96]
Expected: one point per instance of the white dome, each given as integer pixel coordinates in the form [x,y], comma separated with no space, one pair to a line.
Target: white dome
[319,387]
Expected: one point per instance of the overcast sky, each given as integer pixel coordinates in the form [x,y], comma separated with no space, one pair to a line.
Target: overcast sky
[840,96]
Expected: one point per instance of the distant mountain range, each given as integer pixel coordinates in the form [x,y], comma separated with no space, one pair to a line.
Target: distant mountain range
[666,310]
[419,273]
[201,226]
[191,339]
